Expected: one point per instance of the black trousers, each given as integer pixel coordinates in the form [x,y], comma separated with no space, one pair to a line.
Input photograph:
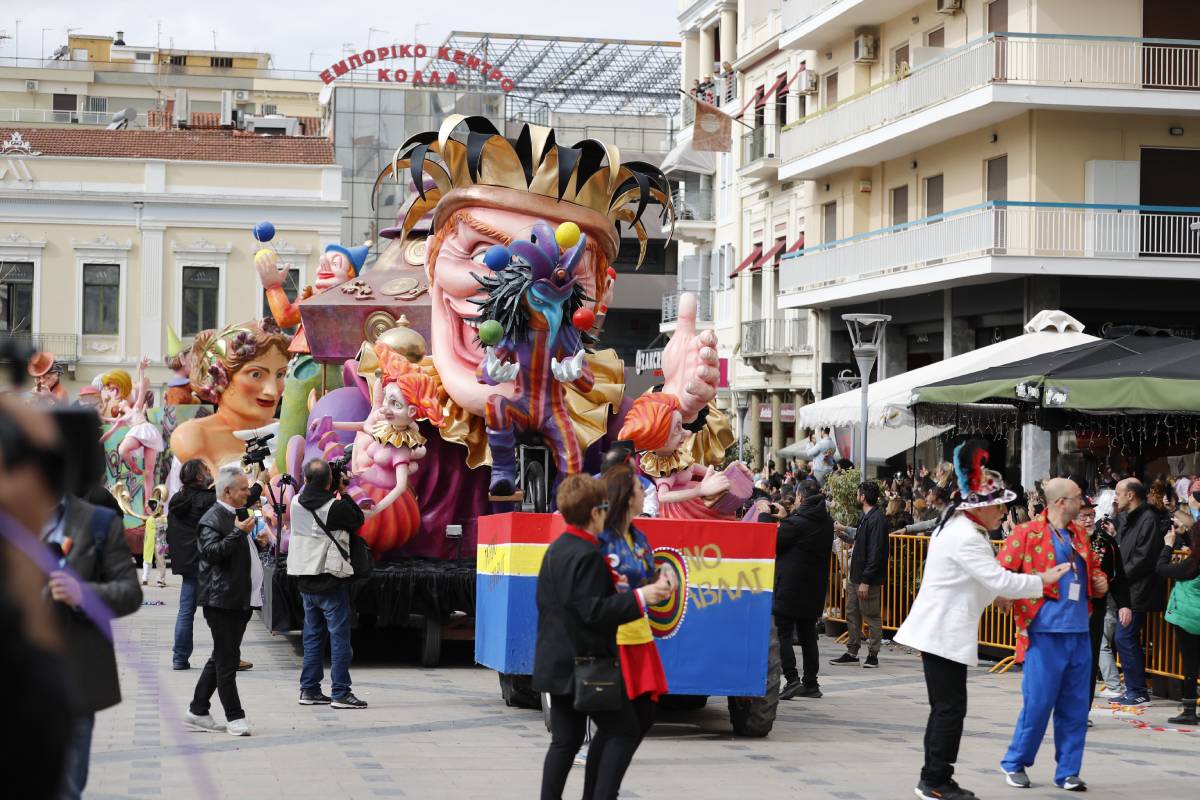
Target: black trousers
[618,734]
[1189,649]
[220,671]
[1096,631]
[946,682]
[806,633]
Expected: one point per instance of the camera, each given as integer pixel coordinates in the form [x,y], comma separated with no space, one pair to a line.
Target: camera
[258,450]
[339,468]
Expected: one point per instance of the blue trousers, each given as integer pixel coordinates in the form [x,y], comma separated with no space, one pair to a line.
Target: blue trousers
[183,623]
[327,612]
[1058,680]
[79,755]
[1133,660]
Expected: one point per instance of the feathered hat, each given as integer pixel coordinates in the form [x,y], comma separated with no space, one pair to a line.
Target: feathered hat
[471,163]
[978,486]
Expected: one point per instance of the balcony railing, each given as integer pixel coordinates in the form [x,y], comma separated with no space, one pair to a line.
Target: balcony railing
[50,116]
[693,204]
[1049,230]
[630,140]
[1008,58]
[766,337]
[65,346]
[704,306]
[760,143]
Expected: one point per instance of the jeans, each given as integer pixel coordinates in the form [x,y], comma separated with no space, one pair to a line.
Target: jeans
[79,754]
[183,622]
[327,612]
[618,734]
[1133,661]
[946,683]
[1108,662]
[808,648]
[220,671]
[856,611]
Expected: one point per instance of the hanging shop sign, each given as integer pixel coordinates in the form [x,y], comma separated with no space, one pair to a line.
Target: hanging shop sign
[787,412]
[458,61]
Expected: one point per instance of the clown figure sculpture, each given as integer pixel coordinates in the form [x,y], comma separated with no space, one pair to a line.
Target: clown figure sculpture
[528,324]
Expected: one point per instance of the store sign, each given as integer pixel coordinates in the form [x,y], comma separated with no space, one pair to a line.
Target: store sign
[787,412]
[458,60]
[649,361]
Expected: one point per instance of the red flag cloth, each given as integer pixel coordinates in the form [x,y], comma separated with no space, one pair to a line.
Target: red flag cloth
[713,129]
[642,670]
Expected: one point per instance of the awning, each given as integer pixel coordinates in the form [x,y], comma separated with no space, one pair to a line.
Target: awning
[760,98]
[770,254]
[799,245]
[747,261]
[683,158]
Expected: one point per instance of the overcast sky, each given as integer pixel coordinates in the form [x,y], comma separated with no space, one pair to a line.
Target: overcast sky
[292,31]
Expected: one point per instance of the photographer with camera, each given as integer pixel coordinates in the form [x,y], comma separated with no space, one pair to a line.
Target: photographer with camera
[322,525]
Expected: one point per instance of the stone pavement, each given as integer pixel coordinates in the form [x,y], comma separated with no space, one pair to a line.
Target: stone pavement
[445,733]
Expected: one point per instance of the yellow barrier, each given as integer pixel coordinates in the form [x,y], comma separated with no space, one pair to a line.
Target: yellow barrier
[996,628]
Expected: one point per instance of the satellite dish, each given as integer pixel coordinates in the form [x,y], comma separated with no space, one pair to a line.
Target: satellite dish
[121,119]
[61,53]
[326,93]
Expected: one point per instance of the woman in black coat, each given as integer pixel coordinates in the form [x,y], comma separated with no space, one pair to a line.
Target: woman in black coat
[579,611]
[802,549]
[183,516]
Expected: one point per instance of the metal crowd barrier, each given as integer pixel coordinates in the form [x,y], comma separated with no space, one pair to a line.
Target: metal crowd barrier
[997,632]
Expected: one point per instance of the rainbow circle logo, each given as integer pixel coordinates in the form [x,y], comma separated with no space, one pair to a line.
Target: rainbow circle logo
[667,617]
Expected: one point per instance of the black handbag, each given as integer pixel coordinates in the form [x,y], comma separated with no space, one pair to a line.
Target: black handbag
[359,555]
[598,684]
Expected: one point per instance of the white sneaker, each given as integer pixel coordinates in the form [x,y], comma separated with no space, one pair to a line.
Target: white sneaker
[1110,693]
[204,724]
[238,727]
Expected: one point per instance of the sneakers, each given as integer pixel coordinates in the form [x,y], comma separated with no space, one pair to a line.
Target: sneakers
[844,659]
[948,791]
[1187,715]
[813,691]
[1073,784]
[204,724]
[184,665]
[1018,779]
[1133,700]
[790,689]
[1109,694]
[238,727]
[313,697]
[872,662]
[349,701]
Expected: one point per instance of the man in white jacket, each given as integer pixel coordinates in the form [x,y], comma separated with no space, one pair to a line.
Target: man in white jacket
[961,578]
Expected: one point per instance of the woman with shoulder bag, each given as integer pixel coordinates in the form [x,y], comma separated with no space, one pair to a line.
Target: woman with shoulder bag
[575,660]
[1183,611]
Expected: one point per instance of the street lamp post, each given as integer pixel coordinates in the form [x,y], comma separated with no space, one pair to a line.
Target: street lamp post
[742,401]
[866,334]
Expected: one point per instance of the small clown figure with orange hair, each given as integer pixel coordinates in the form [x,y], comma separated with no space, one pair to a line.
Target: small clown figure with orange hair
[387,447]
[686,490]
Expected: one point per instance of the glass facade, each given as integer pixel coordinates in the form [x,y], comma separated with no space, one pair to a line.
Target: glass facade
[369,123]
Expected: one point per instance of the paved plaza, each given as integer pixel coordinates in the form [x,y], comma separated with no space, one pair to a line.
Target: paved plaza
[445,733]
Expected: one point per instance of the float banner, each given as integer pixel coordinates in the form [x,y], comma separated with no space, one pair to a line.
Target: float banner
[712,636]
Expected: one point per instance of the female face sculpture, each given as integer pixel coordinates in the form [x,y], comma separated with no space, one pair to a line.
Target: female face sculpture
[254,390]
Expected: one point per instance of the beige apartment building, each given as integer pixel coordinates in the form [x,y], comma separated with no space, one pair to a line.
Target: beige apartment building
[974,161]
[738,219]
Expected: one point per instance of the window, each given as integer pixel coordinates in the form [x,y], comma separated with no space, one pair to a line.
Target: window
[934,203]
[936,37]
[178,61]
[101,299]
[141,55]
[779,247]
[16,296]
[900,60]
[221,62]
[268,109]
[291,287]
[831,89]
[829,222]
[781,97]
[760,106]
[201,287]
[900,205]
[97,104]
[65,102]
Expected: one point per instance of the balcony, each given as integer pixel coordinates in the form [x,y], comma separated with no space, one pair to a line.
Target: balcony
[987,81]
[768,344]
[694,217]
[46,116]
[993,242]
[813,24]
[759,32]
[704,306]
[65,346]
[760,153]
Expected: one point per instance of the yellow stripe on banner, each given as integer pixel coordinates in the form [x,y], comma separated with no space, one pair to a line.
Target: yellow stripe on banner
[510,559]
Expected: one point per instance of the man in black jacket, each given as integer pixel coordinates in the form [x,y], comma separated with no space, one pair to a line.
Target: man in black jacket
[224,594]
[184,511]
[1140,540]
[803,545]
[868,571]
[322,524]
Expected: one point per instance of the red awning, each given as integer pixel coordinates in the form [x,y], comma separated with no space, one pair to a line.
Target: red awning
[799,245]
[760,98]
[769,256]
[750,259]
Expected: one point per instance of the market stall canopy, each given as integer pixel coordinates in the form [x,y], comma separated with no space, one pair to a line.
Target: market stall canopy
[1023,380]
[888,400]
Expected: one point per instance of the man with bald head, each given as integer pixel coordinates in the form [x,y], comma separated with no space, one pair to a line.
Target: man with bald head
[1140,540]
[1053,638]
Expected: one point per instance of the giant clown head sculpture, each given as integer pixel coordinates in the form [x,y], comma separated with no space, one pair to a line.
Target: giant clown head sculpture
[488,190]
